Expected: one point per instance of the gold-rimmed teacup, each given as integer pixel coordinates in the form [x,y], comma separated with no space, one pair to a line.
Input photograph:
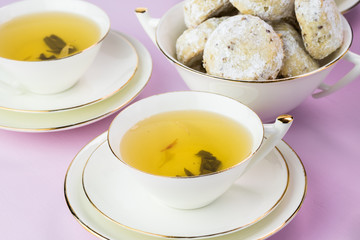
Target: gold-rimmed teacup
[190,192]
[54,75]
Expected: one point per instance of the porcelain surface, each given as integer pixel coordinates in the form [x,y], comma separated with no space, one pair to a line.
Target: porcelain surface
[346,5]
[113,68]
[196,191]
[109,187]
[95,222]
[35,76]
[60,120]
[268,98]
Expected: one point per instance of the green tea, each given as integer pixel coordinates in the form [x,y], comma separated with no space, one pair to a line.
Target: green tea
[185,143]
[44,36]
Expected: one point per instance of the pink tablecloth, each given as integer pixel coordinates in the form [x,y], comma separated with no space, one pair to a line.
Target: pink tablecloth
[325,134]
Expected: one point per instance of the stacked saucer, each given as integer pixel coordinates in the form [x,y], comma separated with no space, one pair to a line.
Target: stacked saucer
[118,74]
[105,201]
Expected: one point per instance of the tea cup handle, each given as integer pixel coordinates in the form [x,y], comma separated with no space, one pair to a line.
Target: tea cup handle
[349,77]
[273,134]
[148,23]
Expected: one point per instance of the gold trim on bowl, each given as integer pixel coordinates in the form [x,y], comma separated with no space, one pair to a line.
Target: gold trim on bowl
[327,65]
[351,7]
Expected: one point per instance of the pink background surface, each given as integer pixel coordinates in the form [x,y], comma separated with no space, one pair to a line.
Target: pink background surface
[325,134]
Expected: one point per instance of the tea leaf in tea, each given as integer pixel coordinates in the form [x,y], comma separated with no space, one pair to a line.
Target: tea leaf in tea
[209,163]
[22,38]
[57,46]
[43,57]
[160,153]
[66,51]
[55,43]
[188,173]
[169,146]
[168,155]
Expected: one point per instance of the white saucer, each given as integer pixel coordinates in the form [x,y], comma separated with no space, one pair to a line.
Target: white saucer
[114,66]
[106,183]
[59,120]
[90,218]
[346,5]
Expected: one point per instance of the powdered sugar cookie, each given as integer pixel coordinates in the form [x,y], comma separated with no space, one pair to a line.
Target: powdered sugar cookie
[244,47]
[197,11]
[265,9]
[321,26]
[190,45]
[296,60]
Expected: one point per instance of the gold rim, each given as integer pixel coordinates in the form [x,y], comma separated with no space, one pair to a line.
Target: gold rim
[79,123]
[176,62]
[87,228]
[301,201]
[92,101]
[188,237]
[141,10]
[69,126]
[76,124]
[97,234]
[285,119]
[350,8]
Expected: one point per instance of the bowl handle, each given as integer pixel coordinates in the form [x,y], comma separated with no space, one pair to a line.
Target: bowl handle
[273,134]
[349,77]
[148,23]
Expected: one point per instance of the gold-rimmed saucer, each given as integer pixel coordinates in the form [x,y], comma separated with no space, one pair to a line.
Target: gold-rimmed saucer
[101,226]
[114,67]
[111,190]
[61,120]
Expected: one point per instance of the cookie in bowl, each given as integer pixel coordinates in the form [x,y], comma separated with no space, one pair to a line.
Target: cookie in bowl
[190,45]
[321,26]
[198,11]
[244,47]
[266,10]
[296,60]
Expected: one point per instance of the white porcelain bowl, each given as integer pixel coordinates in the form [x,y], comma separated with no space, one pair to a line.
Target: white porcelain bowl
[267,98]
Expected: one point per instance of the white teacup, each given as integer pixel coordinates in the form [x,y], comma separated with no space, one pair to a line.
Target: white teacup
[51,76]
[196,191]
[267,98]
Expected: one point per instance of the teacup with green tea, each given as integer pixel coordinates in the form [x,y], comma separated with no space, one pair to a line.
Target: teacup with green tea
[46,46]
[187,148]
